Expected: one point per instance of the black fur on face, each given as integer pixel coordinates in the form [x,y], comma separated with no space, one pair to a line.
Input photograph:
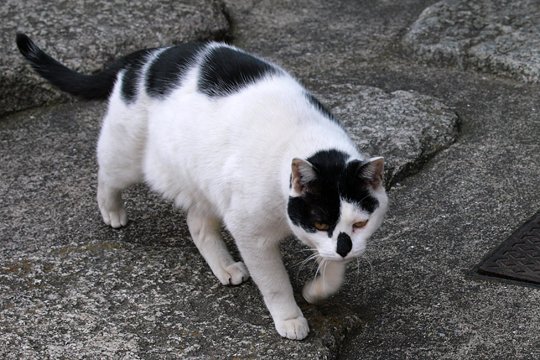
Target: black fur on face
[335,179]
[354,186]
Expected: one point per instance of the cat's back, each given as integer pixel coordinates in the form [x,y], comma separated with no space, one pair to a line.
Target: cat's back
[214,91]
[213,94]
[212,69]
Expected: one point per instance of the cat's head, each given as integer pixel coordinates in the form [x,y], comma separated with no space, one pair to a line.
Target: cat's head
[336,203]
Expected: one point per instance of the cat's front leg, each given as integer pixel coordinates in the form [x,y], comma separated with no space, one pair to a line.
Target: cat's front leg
[204,230]
[327,283]
[263,260]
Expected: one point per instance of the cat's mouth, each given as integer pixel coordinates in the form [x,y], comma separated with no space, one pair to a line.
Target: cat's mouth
[338,258]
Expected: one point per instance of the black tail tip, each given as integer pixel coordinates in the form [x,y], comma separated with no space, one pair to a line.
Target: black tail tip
[26,46]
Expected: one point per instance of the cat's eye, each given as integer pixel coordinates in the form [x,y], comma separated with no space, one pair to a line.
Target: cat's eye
[360,224]
[321,226]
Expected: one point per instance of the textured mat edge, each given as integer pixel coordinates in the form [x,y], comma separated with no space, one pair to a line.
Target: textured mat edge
[476,273]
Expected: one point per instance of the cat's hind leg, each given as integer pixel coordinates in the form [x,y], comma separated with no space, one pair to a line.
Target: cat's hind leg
[327,283]
[120,151]
[111,204]
[204,230]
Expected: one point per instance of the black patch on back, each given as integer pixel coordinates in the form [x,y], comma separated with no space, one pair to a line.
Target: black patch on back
[321,202]
[130,80]
[320,107]
[225,71]
[166,71]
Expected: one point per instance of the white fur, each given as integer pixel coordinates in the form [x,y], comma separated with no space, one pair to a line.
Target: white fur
[228,159]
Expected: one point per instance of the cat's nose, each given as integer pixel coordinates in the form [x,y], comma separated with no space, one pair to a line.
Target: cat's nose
[344,244]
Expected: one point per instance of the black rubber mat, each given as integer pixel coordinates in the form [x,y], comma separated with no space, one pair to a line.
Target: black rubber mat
[517,259]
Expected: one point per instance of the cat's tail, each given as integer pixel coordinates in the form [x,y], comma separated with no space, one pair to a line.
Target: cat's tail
[97,86]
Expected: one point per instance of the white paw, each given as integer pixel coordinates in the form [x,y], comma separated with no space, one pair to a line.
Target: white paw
[296,329]
[318,290]
[312,292]
[116,218]
[234,274]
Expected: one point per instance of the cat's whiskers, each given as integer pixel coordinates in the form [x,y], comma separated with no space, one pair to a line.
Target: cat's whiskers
[320,269]
[322,275]
[308,250]
[302,263]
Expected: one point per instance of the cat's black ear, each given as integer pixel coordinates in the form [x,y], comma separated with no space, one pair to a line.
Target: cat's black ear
[302,172]
[372,171]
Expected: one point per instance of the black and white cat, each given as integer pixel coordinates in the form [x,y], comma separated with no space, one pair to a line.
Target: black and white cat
[232,139]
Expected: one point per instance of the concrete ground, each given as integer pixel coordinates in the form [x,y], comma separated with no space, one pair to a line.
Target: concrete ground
[448,91]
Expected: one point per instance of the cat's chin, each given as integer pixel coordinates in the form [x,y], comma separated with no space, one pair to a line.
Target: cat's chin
[338,260]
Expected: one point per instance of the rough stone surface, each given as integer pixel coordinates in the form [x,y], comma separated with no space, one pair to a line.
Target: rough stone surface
[85,35]
[72,287]
[500,37]
[406,127]
[323,40]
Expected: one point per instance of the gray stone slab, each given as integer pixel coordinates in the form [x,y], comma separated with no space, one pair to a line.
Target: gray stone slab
[500,37]
[87,34]
[322,39]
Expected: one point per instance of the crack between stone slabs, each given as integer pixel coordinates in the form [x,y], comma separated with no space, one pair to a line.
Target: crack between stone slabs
[416,166]
[62,100]
[354,331]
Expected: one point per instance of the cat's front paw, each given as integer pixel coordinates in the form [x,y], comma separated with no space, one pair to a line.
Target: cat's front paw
[313,292]
[296,329]
[316,291]
[234,274]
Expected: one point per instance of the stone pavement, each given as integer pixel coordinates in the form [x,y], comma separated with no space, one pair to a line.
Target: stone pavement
[446,91]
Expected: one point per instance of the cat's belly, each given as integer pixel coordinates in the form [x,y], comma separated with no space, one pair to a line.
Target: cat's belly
[172,183]
[179,176]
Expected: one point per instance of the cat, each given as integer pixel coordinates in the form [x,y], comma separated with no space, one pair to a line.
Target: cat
[232,139]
